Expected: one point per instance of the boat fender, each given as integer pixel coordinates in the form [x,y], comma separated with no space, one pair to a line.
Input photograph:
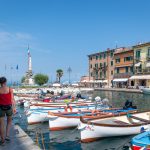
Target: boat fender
[144,129]
[129,115]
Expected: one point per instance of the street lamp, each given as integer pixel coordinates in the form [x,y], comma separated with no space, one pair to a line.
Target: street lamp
[69,70]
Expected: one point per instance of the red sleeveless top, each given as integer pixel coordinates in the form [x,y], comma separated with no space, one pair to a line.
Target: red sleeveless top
[5,99]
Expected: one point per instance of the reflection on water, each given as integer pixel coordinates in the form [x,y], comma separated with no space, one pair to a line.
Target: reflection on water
[117,99]
[70,139]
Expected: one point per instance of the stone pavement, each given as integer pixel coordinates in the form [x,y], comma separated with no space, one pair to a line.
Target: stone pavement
[19,141]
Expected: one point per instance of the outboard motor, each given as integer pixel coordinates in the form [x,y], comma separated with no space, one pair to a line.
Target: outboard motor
[105,101]
[97,99]
[79,95]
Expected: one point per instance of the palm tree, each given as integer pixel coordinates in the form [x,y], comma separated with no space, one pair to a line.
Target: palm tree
[59,74]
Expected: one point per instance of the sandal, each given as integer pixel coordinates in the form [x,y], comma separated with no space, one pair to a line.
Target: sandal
[7,139]
[2,143]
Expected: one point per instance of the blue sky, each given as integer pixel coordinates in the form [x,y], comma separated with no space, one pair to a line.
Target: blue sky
[61,33]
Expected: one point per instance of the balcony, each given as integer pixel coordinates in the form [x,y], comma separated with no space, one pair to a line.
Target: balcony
[142,71]
[148,58]
[123,75]
[137,59]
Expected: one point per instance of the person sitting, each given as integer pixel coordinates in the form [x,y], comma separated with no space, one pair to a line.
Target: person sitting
[128,104]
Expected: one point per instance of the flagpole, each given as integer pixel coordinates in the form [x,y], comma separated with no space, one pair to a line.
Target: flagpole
[11,75]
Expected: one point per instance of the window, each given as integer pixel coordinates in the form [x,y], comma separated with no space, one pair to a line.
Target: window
[100,56]
[111,63]
[90,58]
[138,54]
[104,55]
[148,54]
[100,65]
[100,74]
[126,69]
[91,74]
[129,58]
[96,57]
[111,54]
[117,60]
[117,70]
[96,65]
[104,64]
[91,65]
[131,69]
[104,74]
[111,72]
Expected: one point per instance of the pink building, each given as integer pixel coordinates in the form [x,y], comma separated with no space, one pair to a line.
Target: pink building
[101,68]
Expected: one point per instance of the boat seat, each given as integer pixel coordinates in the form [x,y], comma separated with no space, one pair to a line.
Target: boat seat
[120,122]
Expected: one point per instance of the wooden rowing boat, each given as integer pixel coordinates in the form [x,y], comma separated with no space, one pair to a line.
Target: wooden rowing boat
[91,130]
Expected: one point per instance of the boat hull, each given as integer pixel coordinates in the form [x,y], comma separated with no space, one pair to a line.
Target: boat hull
[60,123]
[91,133]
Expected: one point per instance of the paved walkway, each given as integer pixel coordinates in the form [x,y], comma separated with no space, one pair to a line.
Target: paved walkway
[119,89]
[19,141]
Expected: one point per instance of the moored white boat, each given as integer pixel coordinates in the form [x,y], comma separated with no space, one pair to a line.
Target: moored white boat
[40,114]
[113,126]
[146,90]
[60,121]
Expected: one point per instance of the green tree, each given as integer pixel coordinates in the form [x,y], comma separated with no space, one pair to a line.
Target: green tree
[23,79]
[41,79]
[59,74]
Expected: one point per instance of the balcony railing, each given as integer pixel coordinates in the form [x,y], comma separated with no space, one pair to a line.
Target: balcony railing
[137,59]
[123,75]
[148,58]
[142,71]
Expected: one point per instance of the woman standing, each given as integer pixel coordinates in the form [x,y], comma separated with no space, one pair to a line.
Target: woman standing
[7,108]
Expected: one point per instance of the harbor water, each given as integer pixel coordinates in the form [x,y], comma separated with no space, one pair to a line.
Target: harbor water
[70,139]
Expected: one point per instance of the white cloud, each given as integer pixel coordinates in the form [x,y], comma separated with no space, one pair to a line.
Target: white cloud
[23,36]
[9,40]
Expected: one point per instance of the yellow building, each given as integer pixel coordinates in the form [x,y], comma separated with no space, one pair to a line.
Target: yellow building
[141,65]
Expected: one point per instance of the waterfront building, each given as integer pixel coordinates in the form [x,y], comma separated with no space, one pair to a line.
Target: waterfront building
[101,68]
[29,80]
[141,65]
[123,66]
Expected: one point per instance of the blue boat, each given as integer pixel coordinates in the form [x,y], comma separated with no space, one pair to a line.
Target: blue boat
[141,141]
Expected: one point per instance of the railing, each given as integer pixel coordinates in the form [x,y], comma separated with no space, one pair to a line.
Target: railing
[148,58]
[123,75]
[142,71]
[136,60]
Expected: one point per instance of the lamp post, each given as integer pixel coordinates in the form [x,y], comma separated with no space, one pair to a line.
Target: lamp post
[69,70]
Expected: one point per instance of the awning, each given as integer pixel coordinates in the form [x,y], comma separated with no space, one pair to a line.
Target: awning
[56,84]
[100,81]
[148,64]
[84,81]
[138,64]
[120,80]
[140,77]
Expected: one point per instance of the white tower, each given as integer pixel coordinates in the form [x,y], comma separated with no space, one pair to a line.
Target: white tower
[29,75]
[29,61]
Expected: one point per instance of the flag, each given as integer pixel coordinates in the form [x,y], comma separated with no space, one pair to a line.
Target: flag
[17,67]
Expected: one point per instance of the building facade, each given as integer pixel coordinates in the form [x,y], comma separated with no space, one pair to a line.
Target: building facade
[123,66]
[141,65]
[101,68]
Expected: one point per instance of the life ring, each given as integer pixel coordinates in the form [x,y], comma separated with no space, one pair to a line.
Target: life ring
[68,108]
